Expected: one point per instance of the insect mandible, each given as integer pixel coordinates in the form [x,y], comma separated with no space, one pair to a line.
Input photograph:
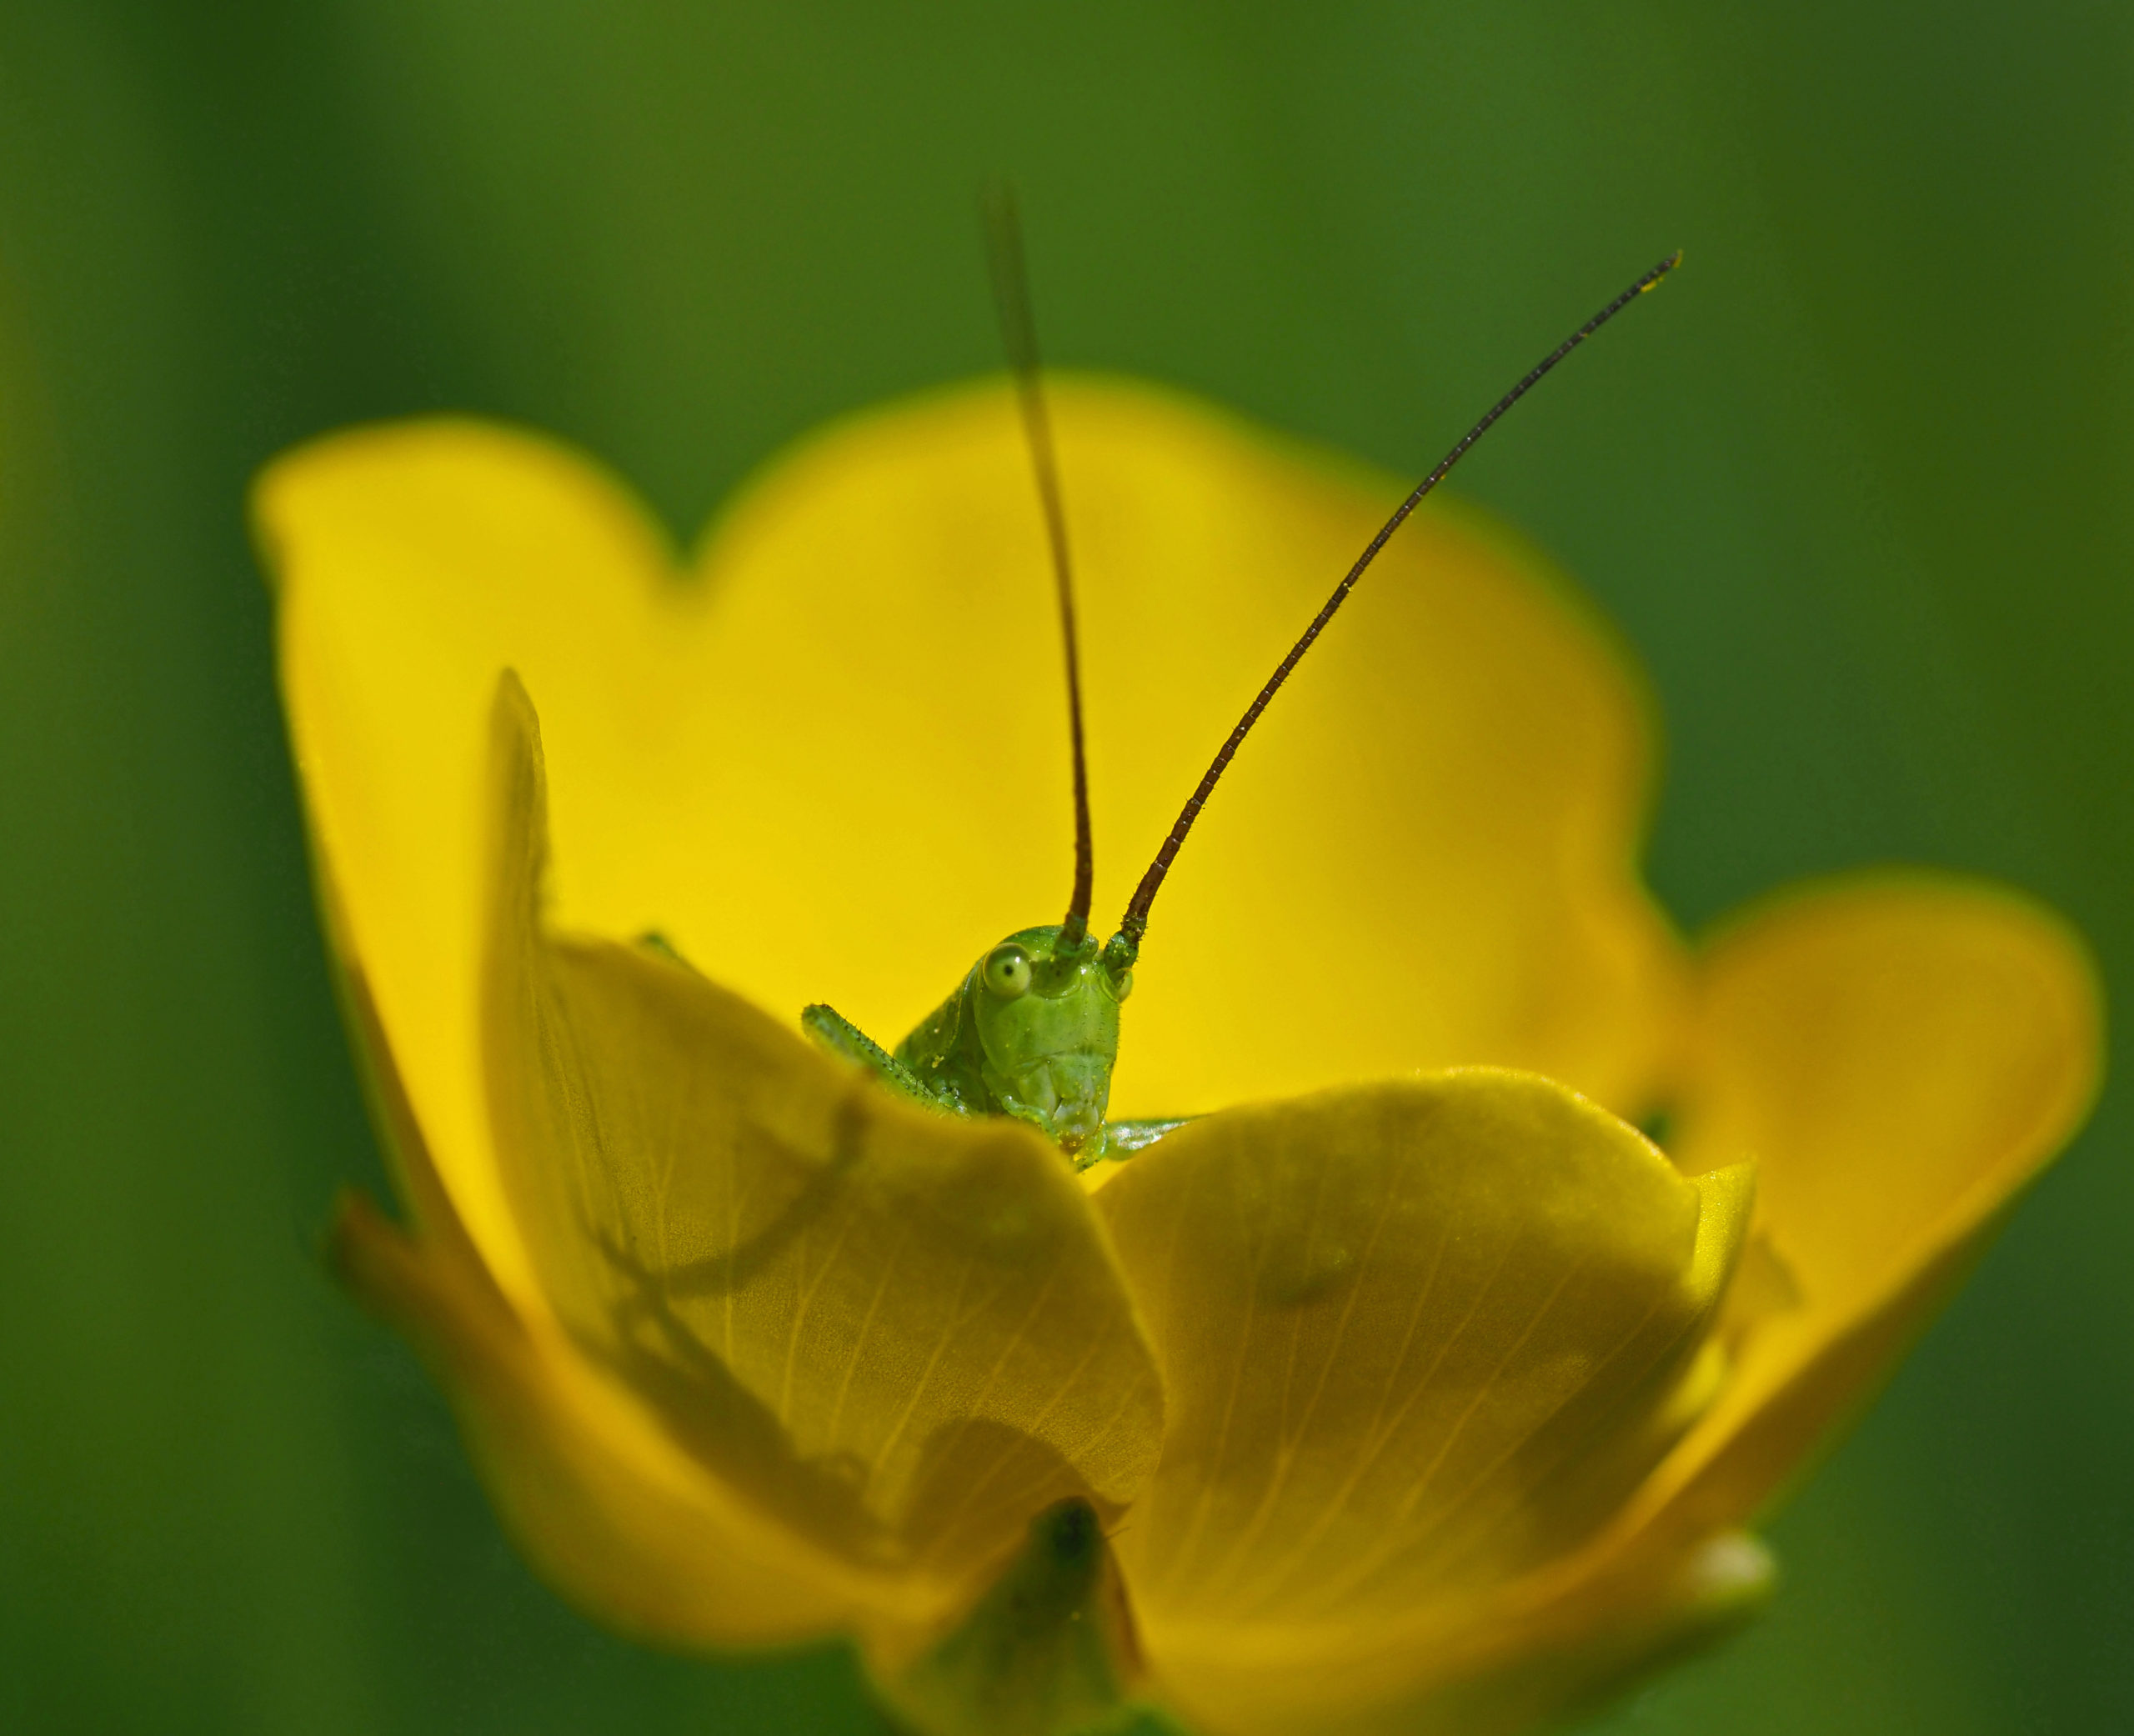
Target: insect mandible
[1032,1030]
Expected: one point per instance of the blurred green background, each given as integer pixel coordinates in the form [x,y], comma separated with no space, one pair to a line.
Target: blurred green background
[1856,484]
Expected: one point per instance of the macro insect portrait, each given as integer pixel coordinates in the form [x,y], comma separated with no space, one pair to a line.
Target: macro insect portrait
[1306,1390]
[1276,941]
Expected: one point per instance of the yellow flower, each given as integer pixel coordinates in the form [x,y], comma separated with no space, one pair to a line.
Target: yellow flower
[1432,1402]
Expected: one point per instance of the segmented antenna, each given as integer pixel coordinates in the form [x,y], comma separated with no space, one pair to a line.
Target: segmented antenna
[1135,923]
[1011,299]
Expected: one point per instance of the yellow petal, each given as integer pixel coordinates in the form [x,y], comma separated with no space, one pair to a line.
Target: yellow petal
[1418,1341]
[1422,857]
[412,563]
[899,1334]
[616,1516]
[832,763]
[1530,1675]
[1901,1054]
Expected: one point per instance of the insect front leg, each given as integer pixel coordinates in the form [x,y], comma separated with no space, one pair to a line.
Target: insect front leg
[840,1037]
[1122,1138]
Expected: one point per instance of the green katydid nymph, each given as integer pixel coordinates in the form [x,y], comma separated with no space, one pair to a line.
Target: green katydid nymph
[1032,1031]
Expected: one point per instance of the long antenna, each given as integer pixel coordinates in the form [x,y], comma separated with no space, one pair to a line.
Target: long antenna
[1011,299]
[1135,923]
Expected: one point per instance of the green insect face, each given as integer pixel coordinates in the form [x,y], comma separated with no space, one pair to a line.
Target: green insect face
[1047,1019]
[1033,1030]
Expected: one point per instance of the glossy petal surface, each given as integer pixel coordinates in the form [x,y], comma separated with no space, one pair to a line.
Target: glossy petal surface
[413,565]
[619,1518]
[1901,1054]
[829,760]
[1418,1340]
[896,1335]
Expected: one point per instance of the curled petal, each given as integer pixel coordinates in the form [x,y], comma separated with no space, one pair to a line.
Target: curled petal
[1418,1341]
[411,563]
[898,1335]
[615,1515]
[1529,1675]
[1901,1054]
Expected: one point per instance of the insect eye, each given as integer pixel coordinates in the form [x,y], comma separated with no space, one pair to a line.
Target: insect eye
[1122,985]
[1007,972]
